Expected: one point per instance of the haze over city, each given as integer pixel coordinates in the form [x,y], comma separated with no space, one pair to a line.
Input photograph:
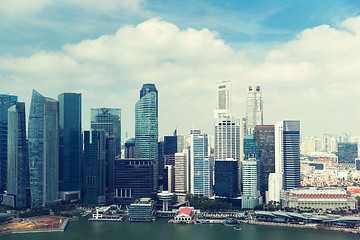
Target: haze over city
[304,55]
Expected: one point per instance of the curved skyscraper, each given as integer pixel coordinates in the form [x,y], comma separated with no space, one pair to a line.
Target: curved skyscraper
[6,101]
[18,183]
[43,135]
[146,124]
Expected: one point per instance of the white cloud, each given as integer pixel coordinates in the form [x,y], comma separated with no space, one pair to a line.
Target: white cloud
[21,8]
[309,78]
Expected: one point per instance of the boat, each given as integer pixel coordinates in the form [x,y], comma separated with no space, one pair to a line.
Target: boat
[231,222]
[238,228]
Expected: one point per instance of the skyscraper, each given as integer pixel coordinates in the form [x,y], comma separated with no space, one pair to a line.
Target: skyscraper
[146,125]
[108,119]
[200,182]
[6,101]
[226,178]
[287,159]
[94,166]
[251,183]
[182,172]
[254,109]
[223,99]
[265,136]
[43,150]
[70,152]
[18,182]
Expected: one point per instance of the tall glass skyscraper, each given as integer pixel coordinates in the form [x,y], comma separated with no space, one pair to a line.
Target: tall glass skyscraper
[18,182]
[70,153]
[6,101]
[94,166]
[200,182]
[108,119]
[146,125]
[43,135]
[254,108]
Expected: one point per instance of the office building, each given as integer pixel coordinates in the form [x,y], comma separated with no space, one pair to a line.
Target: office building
[94,167]
[146,125]
[223,99]
[265,136]
[70,152]
[254,108]
[226,178]
[108,119]
[43,132]
[347,153]
[200,179]
[130,148]
[6,101]
[251,147]
[133,179]
[18,181]
[251,183]
[182,165]
[142,210]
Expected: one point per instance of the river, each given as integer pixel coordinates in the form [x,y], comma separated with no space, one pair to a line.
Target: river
[161,230]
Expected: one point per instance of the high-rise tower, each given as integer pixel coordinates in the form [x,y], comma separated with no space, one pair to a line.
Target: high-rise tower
[254,109]
[43,150]
[6,101]
[146,125]
[200,182]
[18,182]
[70,152]
[223,99]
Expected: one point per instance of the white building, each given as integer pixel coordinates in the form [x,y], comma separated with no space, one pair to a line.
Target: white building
[182,172]
[326,198]
[223,99]
[254,109]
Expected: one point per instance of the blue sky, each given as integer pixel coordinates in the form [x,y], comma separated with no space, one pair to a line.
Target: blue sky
[56,46]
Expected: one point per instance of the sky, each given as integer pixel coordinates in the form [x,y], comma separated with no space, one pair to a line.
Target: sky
[304,54]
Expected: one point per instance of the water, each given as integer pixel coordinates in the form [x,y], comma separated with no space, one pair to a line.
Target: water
[161,230]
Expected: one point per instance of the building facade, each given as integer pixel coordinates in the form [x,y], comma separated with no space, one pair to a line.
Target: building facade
[146,125]
[322,199]
[182,165]
[223,99]
[226,178]
[70,152]
[265,136]
[108,119]
[347,153]
[254,108]
[94,167]
[251,183]
[133,179]
[18,181]
[6,101]
[200,182]
[43,135]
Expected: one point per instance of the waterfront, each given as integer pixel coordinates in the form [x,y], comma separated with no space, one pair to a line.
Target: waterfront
[161,230]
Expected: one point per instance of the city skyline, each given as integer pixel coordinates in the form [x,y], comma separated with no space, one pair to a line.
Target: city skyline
[301,54]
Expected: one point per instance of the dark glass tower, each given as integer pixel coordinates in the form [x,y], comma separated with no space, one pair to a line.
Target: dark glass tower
[264,135]
[134,178]
[43,150]
[226,178]
[291,154]
[94,166]
[70,151]
[347,152]
[18,182]
[6,101]
[146,125]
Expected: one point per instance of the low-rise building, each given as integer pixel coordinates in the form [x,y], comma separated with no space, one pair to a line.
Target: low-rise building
[142,210]
[323,198]
[185,214]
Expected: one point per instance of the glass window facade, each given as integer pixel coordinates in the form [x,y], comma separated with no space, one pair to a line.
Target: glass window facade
[6,101]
